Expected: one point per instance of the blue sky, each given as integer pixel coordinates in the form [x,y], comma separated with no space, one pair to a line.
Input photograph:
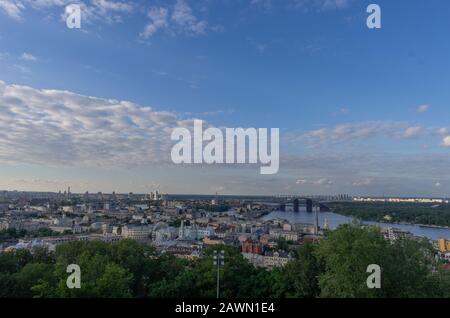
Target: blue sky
[360,111]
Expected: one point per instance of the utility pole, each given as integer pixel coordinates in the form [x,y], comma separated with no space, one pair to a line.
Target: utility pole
[219,260]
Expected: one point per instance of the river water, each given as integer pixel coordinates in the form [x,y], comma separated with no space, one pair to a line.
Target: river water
[334,220]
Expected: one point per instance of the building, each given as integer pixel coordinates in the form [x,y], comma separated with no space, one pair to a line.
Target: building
[392,234]
[286,235]
[275,259]
[141,232]
[213,241]
[268,260]
[194,232]
[443,245]
[251,247]
[165,234]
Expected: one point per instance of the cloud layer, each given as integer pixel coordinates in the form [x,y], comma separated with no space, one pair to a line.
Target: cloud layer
[61,127]
[348,132]
[92,10]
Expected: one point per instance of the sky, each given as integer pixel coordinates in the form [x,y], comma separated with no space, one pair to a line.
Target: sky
[360,111]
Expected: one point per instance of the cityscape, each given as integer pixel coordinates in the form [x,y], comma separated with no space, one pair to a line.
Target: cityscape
[266,233]
[217,156]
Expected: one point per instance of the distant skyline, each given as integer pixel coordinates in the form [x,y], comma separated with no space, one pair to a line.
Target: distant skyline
[362,112]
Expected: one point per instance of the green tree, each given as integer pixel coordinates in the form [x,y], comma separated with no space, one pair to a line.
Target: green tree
[115,282]
[406,265]
[299,278]
[346,253]
[30,275]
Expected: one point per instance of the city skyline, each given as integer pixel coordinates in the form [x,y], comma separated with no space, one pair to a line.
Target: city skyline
[360,111]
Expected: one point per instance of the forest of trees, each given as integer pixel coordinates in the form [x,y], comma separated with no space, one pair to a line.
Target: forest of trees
[12,234]
[335,267]
[413,213]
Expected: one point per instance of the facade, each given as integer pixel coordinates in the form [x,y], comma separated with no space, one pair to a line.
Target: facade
[269,260]
[194,232]
[443,245]
[136,232]
[275,259]
[251,247]
[165,234]
[287,235]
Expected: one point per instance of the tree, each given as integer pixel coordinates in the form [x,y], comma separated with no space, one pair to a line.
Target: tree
[30,275]
[115,282]
[12,262]
[136,259]
[346,254]
[408,270]
[300,276]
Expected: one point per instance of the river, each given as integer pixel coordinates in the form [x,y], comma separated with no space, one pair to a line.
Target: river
[334,220]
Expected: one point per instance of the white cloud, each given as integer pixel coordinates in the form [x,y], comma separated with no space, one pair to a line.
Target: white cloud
[12,8]
[158,20]
[437,184]
[182,16]
[423,108]
[359,131]
[323,182]
[28,57]
[321,4]
[446,141]
[306,5]
[64,128]
[443,131]
[21,68]
[362,183]
[413,132]
[101,11]
[177,20]
[108,5]
[108,11]
[318,182]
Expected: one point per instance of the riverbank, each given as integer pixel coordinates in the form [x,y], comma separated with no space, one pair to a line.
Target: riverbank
[422,215]
[433,226]
[333,220]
